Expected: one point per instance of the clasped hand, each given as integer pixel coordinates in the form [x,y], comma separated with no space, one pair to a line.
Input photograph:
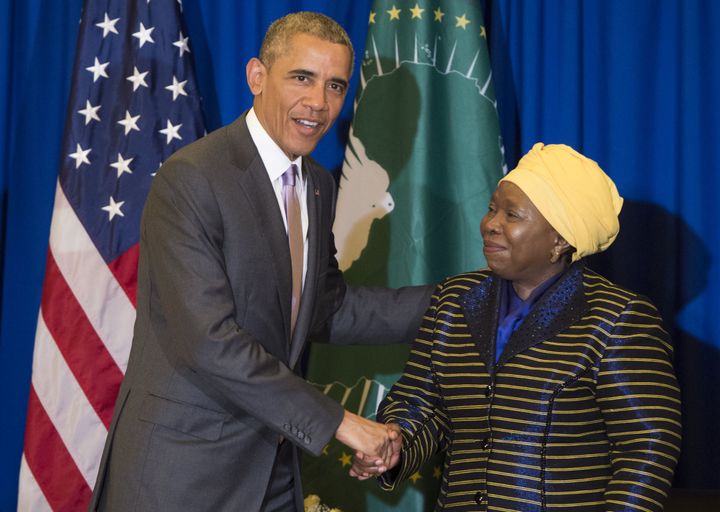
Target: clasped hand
[377,446]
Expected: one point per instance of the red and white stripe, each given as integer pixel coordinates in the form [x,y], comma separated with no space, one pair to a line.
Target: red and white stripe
[82,345]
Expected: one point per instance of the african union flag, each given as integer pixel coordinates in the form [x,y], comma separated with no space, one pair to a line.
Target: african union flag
[423,157]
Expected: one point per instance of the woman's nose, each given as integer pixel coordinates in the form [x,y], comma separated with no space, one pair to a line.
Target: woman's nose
[490,224]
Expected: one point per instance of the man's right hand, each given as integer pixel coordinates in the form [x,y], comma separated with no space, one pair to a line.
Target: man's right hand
[364,466]
[377,442]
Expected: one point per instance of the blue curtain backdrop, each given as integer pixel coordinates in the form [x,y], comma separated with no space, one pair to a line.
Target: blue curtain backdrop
[631,83]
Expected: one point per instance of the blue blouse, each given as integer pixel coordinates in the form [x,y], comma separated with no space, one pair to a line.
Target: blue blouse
[513,310]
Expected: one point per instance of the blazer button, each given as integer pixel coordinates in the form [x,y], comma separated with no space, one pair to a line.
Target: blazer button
[286,426]
[307,440]
[301,435]
[488,391]
[480,498]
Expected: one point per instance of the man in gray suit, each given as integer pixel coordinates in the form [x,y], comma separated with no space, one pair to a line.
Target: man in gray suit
[237,269]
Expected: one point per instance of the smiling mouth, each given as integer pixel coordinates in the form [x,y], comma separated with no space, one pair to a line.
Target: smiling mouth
[491,247]
[306,123]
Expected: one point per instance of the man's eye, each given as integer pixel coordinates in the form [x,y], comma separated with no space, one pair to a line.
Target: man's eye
[337,88]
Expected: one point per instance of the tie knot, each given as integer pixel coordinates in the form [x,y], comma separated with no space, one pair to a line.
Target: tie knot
[288,177]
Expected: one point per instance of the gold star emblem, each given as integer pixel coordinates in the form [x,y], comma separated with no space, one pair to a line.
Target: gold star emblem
[462,21]
[371,21]
[415,476]
[394,13]
[482,32]
[417,12]
[436,472]
[345,459]
[438,14]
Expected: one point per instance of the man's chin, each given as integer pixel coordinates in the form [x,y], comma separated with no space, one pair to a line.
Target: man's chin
[303,149]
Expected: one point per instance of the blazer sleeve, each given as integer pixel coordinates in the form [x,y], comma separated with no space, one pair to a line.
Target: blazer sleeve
[182,234]
[414,403]
[639,398]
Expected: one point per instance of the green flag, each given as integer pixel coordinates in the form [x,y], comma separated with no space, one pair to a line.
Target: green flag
[423,157]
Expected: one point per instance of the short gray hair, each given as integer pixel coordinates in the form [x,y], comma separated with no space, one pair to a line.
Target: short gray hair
[312,23]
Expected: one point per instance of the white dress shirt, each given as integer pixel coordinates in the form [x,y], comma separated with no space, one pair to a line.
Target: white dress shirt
[276,163]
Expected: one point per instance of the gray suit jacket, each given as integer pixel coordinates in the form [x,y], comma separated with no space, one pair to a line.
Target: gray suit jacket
[213,381]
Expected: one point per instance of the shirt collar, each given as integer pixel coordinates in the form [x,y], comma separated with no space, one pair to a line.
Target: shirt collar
[275,160]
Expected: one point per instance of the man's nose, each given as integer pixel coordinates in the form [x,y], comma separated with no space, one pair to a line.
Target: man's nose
[316,97]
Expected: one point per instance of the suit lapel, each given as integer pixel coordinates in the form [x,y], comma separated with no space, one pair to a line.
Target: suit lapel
[309,288]
[261,197]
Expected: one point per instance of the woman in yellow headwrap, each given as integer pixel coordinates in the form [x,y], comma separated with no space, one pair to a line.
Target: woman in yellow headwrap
[548,386]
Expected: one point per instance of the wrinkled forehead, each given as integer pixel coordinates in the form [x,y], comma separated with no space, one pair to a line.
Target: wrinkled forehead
[295,43]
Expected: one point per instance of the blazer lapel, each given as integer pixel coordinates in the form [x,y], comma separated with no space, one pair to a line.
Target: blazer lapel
[561,305]
[480,305]
[309,288]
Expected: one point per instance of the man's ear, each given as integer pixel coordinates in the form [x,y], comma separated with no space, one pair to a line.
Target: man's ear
[255,72]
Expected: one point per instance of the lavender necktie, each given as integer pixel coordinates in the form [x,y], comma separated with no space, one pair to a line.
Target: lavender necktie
[295,239]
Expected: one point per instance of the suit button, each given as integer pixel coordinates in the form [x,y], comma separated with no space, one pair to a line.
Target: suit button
[301,435]
[488,391]
[307,440]
[485,443]
[480,498]
[286,426]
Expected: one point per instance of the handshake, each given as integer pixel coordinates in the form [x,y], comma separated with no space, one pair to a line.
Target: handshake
[377,446]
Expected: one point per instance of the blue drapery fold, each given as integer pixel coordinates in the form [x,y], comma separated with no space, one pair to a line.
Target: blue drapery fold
[631,84]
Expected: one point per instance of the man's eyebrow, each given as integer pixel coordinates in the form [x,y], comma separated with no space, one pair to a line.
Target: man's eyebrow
[313,74]
[340,81]
[301,71]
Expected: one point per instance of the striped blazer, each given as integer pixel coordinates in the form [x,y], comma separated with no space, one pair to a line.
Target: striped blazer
[580,413]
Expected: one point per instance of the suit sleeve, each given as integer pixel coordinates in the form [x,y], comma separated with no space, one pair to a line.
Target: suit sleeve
[414,403]
[639,399]
[365,315]
[379,316]
[182,233]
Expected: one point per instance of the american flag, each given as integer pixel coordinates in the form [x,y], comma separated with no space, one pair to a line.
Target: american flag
[133,102]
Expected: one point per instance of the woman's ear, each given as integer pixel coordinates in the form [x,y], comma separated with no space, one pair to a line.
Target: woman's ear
[561,247]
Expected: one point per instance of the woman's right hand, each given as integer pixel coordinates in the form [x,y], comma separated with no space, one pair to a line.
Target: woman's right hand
[365,466]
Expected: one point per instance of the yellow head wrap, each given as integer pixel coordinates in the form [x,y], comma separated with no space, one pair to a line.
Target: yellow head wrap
[573,193]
